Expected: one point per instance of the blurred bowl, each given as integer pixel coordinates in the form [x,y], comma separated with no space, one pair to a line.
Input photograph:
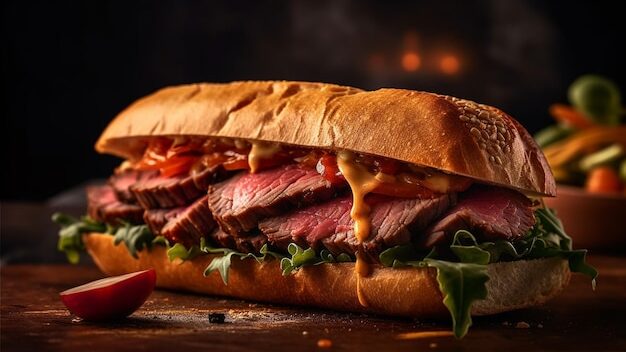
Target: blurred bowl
[594,221]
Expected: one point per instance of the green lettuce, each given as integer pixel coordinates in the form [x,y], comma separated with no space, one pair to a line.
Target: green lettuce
[135,237]
[299,257]
[461,271]
[220,263]
[463,277]
[70,235]
[462,284]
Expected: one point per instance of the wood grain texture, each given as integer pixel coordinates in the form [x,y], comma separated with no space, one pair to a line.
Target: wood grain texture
[33,319]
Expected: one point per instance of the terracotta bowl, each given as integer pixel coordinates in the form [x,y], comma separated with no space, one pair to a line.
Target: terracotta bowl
[594,221]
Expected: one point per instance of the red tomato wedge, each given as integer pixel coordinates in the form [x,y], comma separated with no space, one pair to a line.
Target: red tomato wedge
[177,165]
[327,167]
[110,298]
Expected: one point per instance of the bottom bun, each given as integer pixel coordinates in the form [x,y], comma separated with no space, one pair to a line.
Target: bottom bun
[410,292]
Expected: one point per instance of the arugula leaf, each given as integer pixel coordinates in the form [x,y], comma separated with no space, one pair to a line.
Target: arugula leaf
[469,253]
[398,255]
[161,241]
[178,250]
[301,257]
[70,234]
[550,223]
[264,251]
[135,237]
[462,284]
[221,264]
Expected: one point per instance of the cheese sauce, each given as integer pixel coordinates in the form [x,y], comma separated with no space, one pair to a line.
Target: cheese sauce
[362,269]
[259,151]
[361,182]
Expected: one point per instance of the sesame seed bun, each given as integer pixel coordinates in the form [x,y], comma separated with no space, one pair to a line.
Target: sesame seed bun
[449,134]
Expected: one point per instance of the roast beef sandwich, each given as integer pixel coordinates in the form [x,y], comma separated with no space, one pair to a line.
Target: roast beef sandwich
[391,202]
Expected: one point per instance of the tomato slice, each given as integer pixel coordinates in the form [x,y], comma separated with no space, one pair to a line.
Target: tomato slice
[110,298]
[327,167]
[177,165]
[387,166]
[237,162]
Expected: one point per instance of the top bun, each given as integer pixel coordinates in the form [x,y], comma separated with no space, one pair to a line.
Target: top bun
[446,133]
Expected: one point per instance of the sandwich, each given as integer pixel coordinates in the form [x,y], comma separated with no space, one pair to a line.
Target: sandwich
[390,202]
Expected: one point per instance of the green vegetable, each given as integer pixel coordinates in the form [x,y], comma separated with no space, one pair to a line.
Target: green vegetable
[222,264]
[462,279]
[462,284]
[301,257]
[135,237]
[179,251]
[596,97]
[552,134]
[70,235]
[605,156]
[469,253]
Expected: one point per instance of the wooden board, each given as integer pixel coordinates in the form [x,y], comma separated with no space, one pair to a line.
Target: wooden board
[33,319]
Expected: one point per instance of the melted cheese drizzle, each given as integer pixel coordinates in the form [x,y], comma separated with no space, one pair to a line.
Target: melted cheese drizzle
[362,269]
[259,151]
[361,182]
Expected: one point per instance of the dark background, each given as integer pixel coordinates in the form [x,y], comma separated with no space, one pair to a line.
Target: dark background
[69,67]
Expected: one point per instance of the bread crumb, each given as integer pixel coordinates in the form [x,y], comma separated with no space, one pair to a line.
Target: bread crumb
[540,326]
[305,333]
[522,325]
[324,343]
[433,345]
[326,330]
[506,323]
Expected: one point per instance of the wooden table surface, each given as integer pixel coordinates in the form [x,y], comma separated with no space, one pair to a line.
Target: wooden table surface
[33,319]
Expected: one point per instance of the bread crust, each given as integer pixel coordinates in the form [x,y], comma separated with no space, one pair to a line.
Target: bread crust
[453,135]
[408,292]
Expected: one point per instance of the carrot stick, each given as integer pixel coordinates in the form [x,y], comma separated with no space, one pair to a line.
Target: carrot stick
[564,151]
[568,115]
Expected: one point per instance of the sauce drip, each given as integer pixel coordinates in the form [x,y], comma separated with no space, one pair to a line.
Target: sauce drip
[362,269]
[361,182]
[260,151]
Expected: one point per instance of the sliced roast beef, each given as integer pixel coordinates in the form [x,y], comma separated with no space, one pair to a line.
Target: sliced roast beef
[104,206]
[121,182]
[248,244]
[190,224]
[177,191]
[393,222]
[157,218]
[490,213]
[240,202]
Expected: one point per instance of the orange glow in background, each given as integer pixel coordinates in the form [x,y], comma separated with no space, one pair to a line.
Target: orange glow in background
[411,61]
[449,64]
